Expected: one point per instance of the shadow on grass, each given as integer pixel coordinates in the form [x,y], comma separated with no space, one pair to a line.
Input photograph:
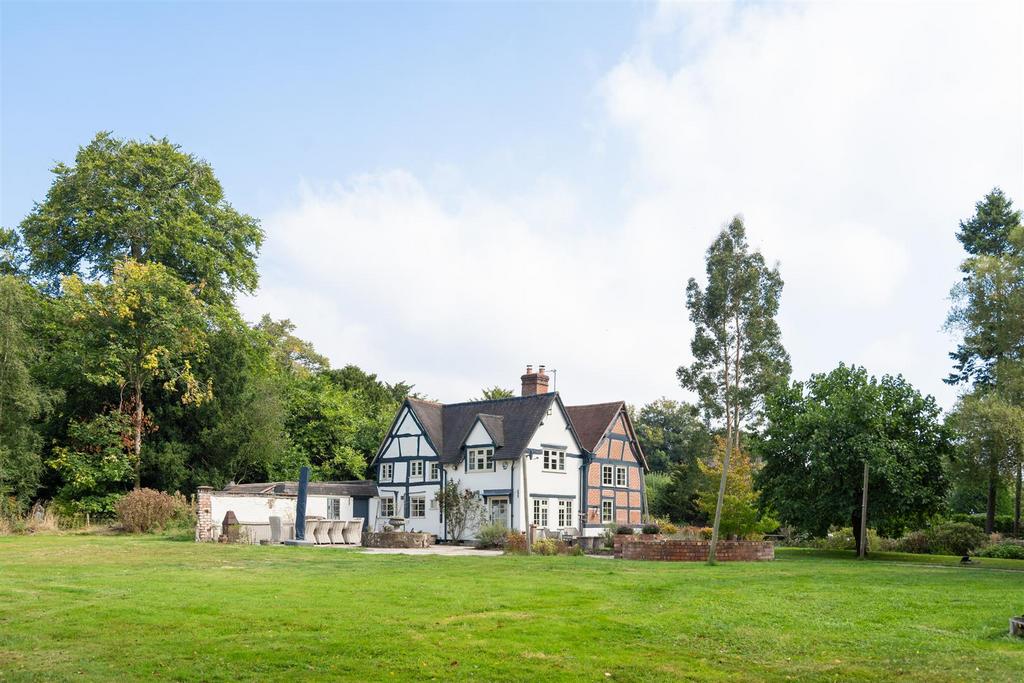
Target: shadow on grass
[903,558]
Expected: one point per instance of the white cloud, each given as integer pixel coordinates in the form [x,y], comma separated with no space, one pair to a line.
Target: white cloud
[851,137]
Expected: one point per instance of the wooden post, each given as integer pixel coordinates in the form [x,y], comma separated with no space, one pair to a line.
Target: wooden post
[864,514]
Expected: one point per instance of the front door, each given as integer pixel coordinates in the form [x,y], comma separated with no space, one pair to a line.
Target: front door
[499,511]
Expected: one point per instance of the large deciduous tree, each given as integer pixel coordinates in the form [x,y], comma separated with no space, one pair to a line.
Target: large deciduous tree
[144,326]
[737,347]
[819,435]
[148,201]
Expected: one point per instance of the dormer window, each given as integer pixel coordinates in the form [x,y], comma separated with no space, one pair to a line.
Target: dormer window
[480,459]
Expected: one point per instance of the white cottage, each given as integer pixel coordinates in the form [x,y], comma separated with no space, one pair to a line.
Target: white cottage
[522,455]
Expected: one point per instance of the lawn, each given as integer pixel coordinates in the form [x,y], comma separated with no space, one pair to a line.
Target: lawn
[108,607]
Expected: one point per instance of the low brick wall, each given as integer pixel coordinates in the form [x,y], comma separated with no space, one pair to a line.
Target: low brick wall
[672,550]
[396,539]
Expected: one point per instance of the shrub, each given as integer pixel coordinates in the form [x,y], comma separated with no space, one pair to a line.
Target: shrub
[609,535]
[917,542]
[624,531]
[706,532]
[144,510]
[515,542]
[666,527]
[1007,550]
[956,538]
[491,536]
[545,546]
[1002,524]
[651,529]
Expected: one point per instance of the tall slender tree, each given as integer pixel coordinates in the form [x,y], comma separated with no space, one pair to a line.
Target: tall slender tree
[737,344]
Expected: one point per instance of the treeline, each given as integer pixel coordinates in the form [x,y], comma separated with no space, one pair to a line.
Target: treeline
[124,360]
[799,449]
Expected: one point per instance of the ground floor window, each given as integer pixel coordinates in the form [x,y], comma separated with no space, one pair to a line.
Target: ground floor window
[387,507]
[540,512]
[417,506]
[334,508]
[564,514]
[607,511]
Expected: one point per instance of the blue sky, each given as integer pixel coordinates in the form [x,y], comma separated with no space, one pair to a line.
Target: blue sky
[452,191]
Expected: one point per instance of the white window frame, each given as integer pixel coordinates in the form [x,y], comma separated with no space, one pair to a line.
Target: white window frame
[416,469]
[554,460]
[435,471]
[390,503]
[565,519]
[620,470]
[540,512]
[473,459]
[334,508]
[389,469]
[607,475]
[413,501]
[609,506]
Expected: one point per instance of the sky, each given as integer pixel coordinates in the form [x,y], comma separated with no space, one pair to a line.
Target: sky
[453,191]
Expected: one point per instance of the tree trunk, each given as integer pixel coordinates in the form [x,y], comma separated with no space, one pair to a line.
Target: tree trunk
[862,530]
[725,469]
[855,525]
[1016,502]
[993,483]
[137,430]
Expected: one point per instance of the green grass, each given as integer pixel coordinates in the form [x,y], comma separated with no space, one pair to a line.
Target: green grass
[125,608]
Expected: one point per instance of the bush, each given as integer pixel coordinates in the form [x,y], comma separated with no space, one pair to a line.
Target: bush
[144,510]
[624,531]
[545,546]
[1007,550]
[706,532]
[651,529]
[491,536]
[515,542]
[666,527]
[917,542]
[956,538]
[609,535]
[1002,524]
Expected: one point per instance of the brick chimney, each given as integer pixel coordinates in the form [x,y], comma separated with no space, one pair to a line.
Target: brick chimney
[534,382]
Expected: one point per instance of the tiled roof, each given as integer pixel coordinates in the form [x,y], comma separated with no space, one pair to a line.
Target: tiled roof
[592,421]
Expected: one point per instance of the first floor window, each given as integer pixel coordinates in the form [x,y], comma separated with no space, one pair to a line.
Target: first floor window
[387,471]
[540,512]
[564,514]
[554,461]
[334,508]
[417,506]
[435,471]
[621,478]
[387,507]
[606,475]
[480,459]
[607,511]
[416,469]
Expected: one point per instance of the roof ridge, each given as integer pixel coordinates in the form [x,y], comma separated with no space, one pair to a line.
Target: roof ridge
[499,400]
[595,405]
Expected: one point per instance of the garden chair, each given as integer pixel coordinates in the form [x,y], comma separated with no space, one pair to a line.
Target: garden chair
[354,531]
[334,531]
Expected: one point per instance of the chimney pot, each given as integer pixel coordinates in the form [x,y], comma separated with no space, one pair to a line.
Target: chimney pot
[534,382]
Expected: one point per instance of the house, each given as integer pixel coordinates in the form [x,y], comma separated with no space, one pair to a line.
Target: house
[532,459]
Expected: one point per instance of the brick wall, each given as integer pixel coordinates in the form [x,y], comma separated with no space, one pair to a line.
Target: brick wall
[674,550]
[204,515]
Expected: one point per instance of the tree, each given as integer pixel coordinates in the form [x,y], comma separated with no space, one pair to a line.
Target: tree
[494,393]
[97,465]
[22,399]
[820,434]
[461,509]
[12,253]
[148,201]
[294,356]
[992,431]
[145,325]
[670,432]
[737,348]
[740,514]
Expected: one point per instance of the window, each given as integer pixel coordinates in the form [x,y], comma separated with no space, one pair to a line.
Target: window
[334,508]
[607,511]
[435,471]
[417,506]
[606,475]
[564,514]
[621,479]
[416,469]
[554,461]
[387,471]
[387,507]
[480,459]
[540,512]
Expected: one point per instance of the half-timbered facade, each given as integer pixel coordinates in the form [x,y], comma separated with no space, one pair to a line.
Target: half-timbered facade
[523,455]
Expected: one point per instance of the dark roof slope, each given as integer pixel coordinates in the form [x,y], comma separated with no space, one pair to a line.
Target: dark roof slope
[495,426]
[592,421]
[518,417]
[364,487]
[429,415]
